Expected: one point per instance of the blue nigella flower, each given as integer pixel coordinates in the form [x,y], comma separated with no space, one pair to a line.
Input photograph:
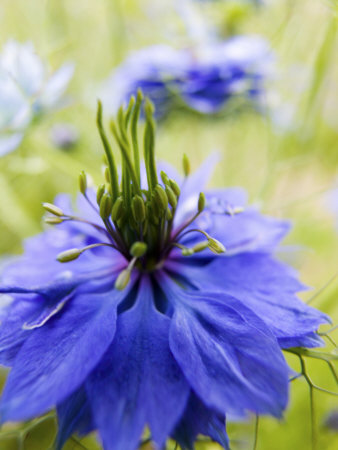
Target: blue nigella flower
[170,309]
[157,70]
[205,78]
[27,90]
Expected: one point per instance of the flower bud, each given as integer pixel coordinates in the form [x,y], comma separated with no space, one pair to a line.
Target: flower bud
[53,209]
[69,255]
[138,249]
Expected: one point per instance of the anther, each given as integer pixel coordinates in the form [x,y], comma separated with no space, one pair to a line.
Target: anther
[171,196]
[53,220]
[161,197]
[83,182]
[201,202]
[105,206]
[53,209]
[118,209]
[138,209]
[186,165]
[175,187]
[69,255]
[100,191]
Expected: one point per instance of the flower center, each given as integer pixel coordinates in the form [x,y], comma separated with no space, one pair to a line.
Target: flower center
[138,221]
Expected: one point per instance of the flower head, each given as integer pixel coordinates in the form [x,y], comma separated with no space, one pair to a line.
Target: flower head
[26,91]
[206,78]
[154,305]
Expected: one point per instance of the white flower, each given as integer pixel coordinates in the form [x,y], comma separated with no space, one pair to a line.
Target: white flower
[27,89]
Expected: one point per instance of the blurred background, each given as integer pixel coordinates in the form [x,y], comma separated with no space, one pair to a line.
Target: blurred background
[286,156]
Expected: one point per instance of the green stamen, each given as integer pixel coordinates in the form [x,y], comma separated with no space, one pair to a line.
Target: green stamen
[137,222]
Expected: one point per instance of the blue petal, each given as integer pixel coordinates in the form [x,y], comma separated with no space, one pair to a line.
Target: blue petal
[12,334]
[266,286]
[247,231]
[190,189]
[228,355]
[198,419]
[56,358]
[74,416]
[138,381]
[49,299]
[38,264]
[308,340]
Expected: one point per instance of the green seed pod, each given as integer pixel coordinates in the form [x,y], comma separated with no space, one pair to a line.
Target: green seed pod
[100,191]
[83,182]
[69,255]
[201,202]
[161,197]
[118,209]
[122,280]
[186,165]
[138,249]
[175,187]
[106,206]
[138,209]
[171,196]
[53,209]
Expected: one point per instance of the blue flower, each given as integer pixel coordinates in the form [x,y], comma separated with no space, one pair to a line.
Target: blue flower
[234,70]
[153,304]
[26,91]
[205,78]
[157,70]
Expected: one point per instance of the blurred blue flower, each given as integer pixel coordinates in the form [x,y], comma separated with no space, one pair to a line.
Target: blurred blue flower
[222,72]
[27,90]
[64,136]
[148,324]
[157,70]
[205,78]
